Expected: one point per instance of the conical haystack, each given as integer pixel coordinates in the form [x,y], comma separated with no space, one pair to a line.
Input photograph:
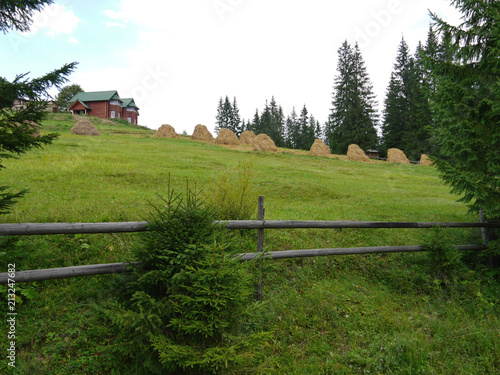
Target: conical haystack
[84,127]
[166,131]
[201,133]
[395,155]
[354,152]
[263,142]
[227,137]
[319,148]
[425,160]
[247,137]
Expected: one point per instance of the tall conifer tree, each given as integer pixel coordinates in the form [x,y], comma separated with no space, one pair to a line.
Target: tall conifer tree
[407,113]
[353,116]
[467,104]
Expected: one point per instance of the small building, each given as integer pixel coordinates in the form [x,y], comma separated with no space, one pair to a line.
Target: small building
[51,105]
[372,154]
[104,104]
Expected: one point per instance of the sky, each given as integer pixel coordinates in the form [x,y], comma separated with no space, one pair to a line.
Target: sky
[178,58]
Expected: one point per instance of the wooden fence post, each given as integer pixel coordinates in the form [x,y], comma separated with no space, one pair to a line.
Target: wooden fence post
[485,233]
[260,244]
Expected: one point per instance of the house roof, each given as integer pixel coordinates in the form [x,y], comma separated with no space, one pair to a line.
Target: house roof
[129,102]
[79,101]
[95,96]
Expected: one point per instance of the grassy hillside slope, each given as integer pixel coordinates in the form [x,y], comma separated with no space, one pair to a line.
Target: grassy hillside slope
[333,315]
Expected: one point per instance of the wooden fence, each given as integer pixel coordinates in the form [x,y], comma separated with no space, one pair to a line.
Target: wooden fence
[260,225]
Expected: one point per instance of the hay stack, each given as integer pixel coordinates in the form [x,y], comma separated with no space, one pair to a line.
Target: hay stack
[395,155]
[201,133]
[227,137]
[425,160]
[263,142]
[84,127]
[247,137]
[319,148]
[354,152]
[166,131]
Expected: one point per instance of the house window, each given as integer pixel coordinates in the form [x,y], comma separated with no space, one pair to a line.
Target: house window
[129,119]
[113,114]
[114,102]
[130,109]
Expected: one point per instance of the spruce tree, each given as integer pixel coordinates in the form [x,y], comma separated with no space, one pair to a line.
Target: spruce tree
[395,127]
[467,104]
[407,113]
[235,122]
[292,130]
[272,122]
[353,116]
[255,124]
[225,116]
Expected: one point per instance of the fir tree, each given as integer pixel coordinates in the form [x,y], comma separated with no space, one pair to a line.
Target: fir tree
[407,113]
[272,122]
[235,122]
[467,104]
[292,130]
[225,116]
[306,126]
[353,116]
[255,124]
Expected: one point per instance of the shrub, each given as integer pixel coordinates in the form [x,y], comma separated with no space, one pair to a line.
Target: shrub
[444,259]
[231,193]
[188,297]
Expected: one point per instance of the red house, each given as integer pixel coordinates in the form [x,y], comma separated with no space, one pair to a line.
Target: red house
[104,104]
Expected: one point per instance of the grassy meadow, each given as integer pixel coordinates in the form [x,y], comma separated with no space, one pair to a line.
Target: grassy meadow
[371,314]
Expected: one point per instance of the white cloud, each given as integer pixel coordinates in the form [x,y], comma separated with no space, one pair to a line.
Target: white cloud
[73,40]
[56,19]
[113,14]
[115,24]
[254,50]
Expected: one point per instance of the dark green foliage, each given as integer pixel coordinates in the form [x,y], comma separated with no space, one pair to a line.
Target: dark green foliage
[187,302]
[272,123]
[407,114]
[353,116]
[443,258]
[306,127]
[228,116]
[66,94]
[17,14]
[292,131]
[467,104]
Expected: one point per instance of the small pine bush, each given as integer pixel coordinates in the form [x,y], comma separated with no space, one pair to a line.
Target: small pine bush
[444,259]
[186,306]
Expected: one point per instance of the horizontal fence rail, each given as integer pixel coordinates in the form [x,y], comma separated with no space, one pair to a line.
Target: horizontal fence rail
[101,269]
[30,229]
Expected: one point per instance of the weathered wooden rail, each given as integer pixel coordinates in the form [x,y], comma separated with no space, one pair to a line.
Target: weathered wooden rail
[259,225]
[30,229]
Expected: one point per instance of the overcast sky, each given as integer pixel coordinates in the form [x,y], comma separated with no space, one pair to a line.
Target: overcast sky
[177,58]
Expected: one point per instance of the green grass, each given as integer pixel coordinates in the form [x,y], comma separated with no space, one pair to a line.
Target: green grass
[331,315]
